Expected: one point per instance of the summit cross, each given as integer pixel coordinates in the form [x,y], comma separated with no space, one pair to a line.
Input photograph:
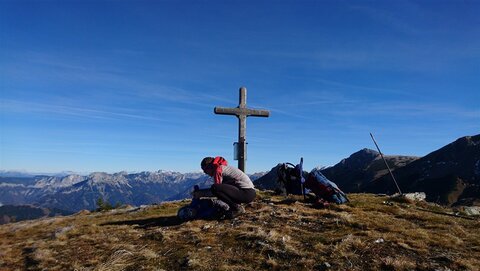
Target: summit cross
[242,112]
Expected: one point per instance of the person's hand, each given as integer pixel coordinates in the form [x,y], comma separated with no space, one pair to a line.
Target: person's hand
[195,194]
[202,193]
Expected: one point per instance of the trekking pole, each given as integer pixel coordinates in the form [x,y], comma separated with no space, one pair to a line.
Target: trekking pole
[302,179]
[386,164]
[303,193]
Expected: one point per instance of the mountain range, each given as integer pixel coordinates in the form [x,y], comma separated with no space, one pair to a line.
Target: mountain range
[76,192]
[450,176]
[353,173]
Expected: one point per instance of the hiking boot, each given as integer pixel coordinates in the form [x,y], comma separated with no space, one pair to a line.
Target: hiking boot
[235,211]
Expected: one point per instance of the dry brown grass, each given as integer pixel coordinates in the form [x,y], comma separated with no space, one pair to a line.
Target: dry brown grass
[370,233]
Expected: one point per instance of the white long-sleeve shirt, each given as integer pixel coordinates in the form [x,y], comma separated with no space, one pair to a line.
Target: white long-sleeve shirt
[236,177]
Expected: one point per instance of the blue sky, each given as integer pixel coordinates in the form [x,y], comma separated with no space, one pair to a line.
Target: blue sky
[131,85]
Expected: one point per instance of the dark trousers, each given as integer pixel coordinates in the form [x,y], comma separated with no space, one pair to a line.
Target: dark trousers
[233,195]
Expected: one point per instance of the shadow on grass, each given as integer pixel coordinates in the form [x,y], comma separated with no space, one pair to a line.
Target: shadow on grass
[289,200]
[164,221]
[29,261]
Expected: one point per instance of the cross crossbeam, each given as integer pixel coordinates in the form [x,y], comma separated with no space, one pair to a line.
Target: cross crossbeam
[242,112]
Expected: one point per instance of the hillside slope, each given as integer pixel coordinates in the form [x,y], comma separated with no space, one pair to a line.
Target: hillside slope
[352,173]
[276,233]
[449,175]
[15,213]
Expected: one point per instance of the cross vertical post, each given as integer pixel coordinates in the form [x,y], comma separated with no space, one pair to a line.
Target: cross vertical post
[242,112]
[242,127]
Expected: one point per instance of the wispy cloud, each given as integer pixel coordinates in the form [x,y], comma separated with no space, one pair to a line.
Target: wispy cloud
[358,87]
[410,109]
[391,19]
[20,106]
[389,55]
[34,67]
[308,105]
[304,104]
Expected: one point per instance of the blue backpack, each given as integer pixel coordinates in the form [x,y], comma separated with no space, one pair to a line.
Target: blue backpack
[324,188]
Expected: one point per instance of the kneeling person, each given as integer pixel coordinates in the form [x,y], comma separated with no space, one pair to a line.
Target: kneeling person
[231,185]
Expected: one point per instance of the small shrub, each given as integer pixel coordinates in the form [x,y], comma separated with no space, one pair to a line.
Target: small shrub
[103,205]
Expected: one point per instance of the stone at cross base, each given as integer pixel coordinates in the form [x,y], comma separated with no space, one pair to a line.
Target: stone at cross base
[242,112]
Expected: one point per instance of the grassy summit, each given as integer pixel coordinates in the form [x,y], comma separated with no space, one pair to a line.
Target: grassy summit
[370,233]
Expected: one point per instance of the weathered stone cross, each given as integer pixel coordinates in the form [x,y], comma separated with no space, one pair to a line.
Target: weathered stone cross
[242,112]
